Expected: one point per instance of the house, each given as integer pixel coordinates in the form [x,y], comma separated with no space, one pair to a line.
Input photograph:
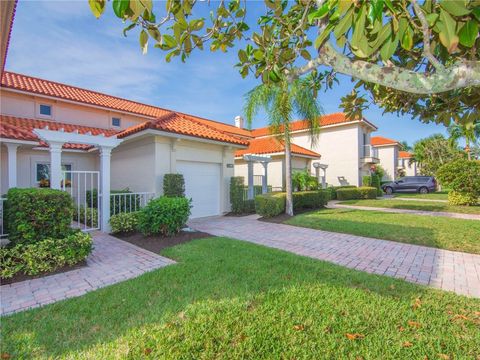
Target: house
[407,166]
[342,151]
[68,136]
[388,151]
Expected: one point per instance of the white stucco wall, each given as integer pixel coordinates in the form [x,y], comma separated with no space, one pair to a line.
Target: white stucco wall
[388,156]
[410,168]
[26,106]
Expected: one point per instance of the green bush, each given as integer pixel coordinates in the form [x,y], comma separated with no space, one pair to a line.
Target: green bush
[46,255]
[273,204]
[173,185]
[164,215]
[118,204]
[35,214]
[302,181]
[376,183]
[363,192]
[462,176]
[86,216]
[333,190]
[237,197]
[124,222]
[367,180]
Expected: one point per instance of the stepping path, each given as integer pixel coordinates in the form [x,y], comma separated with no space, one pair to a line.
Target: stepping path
[442,269]
[111,261]
[335,205]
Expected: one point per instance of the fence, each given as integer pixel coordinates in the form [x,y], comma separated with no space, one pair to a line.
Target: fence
[129,201]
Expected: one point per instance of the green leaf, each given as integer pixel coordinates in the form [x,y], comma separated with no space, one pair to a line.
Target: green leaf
[455,7]
[323,36]
[431,19]
[306,55]
[154,33]
[476,12]
[390,5]
[359,28]
[345,23]
[388,49]
[143,41]
[319,13]
[468,33]
[383,35]
[407,39]
[97,7]
[447,34]
[242,55]
[402,26]
[375,10]
[169,41]
[128,28]
[119,7]
[344,5]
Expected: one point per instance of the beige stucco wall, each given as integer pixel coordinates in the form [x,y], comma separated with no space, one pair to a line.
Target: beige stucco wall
[410,168]
[23,105]
[388,156]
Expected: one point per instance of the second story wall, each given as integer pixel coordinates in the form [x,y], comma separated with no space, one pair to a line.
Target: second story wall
[27,106]
[388,156]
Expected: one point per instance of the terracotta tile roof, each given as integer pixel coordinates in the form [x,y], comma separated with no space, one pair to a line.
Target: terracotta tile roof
[22,129]
[380,140]
[405,154]
[325,120]
[186,125]
[270,145]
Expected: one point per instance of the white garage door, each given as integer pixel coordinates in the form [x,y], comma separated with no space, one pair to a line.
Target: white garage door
[202,185]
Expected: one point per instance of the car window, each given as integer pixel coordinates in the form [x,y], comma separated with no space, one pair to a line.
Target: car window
[421,179]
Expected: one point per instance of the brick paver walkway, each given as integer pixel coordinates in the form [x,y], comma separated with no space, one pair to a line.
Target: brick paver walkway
[335,205]
[111,261]
[443,269]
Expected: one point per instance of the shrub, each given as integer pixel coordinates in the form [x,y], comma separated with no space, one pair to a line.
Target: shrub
[367,180]
[173,185]
[35,214]
[333,190]
[86,216]
[164,215]
[124,222]
[118,204]
[302,181]
[363,192]
[376,183]
[237,197]
[462,177]
[46,255]
[273,204]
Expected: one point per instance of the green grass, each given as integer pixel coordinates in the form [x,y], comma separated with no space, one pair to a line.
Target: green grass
[231,299]
[439,232]
[415,205]
[439,195]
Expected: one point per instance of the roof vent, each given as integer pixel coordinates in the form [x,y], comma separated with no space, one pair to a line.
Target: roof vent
[239,122]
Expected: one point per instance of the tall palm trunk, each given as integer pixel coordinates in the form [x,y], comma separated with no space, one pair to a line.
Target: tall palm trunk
[288,175]
[467,149]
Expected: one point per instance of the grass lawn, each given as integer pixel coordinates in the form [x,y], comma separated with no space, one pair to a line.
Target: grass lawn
[439,232]
[415,205]
[439,195]
[232,299]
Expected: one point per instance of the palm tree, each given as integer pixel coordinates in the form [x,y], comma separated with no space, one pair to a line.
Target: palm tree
[280,101]
[405,145]
[469,131]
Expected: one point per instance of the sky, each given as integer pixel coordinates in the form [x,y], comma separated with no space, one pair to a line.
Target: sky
[62,41]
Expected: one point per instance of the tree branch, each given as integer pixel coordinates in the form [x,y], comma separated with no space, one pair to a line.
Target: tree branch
[426,37]
[460,75]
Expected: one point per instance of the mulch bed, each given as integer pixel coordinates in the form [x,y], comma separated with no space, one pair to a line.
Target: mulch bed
[23,277]
[156,243]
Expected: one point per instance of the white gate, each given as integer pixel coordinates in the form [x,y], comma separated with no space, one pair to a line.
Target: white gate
[84,187]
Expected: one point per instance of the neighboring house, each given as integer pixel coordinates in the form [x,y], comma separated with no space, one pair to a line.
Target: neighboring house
[342,144]
[44,122]
[406,164]
[388,151]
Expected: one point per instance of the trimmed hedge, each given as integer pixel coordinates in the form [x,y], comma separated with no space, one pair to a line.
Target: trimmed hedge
[35,214]
[164,215]
[273,204]
[376,183]
[45,256]
[124,222]
[462,176]
[237,193]
[333,190]
[173,185]
[463,199]
[363,192]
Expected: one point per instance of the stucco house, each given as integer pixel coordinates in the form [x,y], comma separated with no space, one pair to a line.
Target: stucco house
[388,150]
[406,164]
[97,137]
[342,152]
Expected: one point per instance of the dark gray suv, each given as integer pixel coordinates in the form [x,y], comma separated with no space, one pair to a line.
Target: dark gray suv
[421,184]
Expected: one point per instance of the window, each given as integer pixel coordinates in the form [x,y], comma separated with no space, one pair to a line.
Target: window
[116,121]
[42,171]
[45,110]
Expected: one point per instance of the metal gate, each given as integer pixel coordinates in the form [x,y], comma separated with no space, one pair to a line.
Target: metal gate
[84,187]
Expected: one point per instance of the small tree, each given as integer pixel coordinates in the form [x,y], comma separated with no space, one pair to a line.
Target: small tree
[469,131]
[173,185]
[463,177]
[434,151]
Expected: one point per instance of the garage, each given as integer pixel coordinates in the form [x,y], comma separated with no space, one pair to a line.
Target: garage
[202,185]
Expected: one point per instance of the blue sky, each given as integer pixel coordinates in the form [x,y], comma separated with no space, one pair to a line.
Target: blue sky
[62,41]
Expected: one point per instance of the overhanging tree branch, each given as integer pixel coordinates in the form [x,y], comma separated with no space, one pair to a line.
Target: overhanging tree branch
[460,75]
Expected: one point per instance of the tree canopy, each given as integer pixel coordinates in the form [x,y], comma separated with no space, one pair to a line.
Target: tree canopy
[408,56]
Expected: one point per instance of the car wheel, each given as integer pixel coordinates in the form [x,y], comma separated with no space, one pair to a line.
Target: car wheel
[388,190]
[423,190]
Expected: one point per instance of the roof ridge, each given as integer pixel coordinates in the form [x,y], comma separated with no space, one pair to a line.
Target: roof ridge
[191,118]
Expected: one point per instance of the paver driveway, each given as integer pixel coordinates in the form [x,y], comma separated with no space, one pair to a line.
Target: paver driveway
[443,269]
[111,261]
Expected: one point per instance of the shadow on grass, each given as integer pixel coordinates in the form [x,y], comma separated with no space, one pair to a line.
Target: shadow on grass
[208,269]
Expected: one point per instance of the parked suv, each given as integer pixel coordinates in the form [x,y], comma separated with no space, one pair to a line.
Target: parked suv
[421,184]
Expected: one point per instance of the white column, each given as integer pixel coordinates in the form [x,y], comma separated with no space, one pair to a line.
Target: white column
[55,164]
[12,164]
[265,177]
[250,179]
[105,154]
[324,179]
